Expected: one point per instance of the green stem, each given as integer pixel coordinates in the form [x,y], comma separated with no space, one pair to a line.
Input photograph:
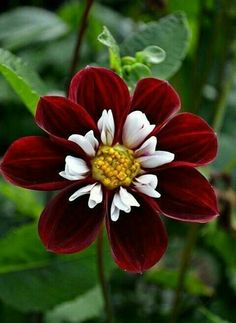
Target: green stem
[221,104]
[227,69]
[185,259]
[204,53]
[225,81]
[102,278]
[222,99]
[80,34]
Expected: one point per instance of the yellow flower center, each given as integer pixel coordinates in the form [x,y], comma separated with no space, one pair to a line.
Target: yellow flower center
[115,166]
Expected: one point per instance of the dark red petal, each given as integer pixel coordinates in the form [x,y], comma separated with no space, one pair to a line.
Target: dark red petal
[68,227]
[190,138]
[138,239]
[186,195]
[35,163]
[96,89]
[61,117]
[157,99]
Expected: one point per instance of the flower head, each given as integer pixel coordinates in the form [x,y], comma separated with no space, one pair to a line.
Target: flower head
[126,159]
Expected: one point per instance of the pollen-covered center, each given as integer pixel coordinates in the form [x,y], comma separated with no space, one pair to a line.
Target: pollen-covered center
[115,166]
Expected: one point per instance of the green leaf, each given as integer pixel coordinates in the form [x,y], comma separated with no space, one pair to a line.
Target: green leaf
[128,60]
[171,33]
[32,279]
[79,309]
[108,40]
[222,242]
[133,73]
[32,206]
[211,317]
[26,25]
[151,55]
[22,79]
[169,278]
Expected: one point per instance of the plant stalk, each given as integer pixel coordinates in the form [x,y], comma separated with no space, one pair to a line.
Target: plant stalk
[223,95]
[225,81]
[80,35]
[185,259]
[102,278]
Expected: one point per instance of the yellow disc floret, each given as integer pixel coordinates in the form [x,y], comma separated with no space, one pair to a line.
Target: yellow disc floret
[115,166]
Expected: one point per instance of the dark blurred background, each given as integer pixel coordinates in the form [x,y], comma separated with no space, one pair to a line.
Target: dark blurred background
[39,287]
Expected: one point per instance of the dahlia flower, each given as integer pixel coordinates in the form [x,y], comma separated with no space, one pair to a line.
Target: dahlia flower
[119,159]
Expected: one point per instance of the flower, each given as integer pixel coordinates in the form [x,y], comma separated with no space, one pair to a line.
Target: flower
[119,158]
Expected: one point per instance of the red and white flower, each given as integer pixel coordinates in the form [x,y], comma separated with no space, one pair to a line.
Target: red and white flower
[119,158]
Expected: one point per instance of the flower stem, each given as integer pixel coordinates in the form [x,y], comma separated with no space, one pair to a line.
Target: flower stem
[225,81]
[102,278]
[221,104]
[81,31]
[185,259]
[223,95]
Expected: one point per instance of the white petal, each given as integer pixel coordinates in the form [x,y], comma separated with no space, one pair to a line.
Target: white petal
[147,148]
[128,198]
[84,143]
[120,204]
[115,212]
[106,126]
[133,123]
[146,184]
[136,129]
[157,159]
[148,179]
[122,201]
[95,196]
[135,120]
[140,136]
[92,139]
[71,177]
[81,191]
[75,168]
[148,190]
[76,165]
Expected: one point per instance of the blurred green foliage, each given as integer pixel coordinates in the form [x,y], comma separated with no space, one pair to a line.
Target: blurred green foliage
[36,286]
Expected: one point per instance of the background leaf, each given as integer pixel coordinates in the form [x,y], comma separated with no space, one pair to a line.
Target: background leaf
[32,205]
[169,278]
[211,317]
[151,55]
[108,40]
[171,33]
[26,25]
[22,79]
[32,279]
[79,309]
